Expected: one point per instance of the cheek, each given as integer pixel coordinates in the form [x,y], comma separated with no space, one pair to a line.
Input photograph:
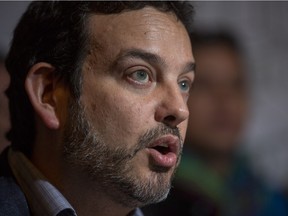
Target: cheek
[119,117]
[183,128]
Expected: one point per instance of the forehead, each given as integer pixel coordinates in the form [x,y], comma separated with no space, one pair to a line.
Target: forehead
[145,28]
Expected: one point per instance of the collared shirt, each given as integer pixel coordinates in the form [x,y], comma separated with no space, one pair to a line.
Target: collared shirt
[43,198]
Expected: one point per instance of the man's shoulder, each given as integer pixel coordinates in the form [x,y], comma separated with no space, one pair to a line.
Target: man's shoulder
[12,199]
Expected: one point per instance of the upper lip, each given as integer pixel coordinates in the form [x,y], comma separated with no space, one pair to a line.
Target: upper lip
[170,141]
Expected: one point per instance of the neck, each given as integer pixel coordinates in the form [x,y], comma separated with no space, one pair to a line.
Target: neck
[86,196]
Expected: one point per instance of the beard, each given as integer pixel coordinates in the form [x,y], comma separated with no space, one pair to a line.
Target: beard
[113,168]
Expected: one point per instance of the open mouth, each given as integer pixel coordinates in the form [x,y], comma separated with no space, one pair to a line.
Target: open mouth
[164,151]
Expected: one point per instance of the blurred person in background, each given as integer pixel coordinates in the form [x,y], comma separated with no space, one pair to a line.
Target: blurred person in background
[213,177]
[4,110]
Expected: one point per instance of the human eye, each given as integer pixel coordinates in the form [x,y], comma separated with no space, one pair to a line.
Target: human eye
[184,85]
[139,76]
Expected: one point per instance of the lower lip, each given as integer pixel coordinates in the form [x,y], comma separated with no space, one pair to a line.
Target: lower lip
[168,160]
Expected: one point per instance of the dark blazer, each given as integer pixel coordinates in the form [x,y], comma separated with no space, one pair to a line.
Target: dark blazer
[12,199]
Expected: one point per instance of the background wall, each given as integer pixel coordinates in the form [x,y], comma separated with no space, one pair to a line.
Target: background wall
[10,13]
[263,29]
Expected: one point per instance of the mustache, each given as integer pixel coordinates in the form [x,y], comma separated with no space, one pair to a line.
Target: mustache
[153,134]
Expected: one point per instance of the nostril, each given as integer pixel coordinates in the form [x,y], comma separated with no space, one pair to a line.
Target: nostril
[169,119]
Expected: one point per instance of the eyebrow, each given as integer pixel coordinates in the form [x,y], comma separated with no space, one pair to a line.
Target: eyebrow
[151,58]
[190,67]
[140,54]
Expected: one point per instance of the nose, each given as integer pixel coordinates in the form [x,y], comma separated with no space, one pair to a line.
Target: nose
[172,110]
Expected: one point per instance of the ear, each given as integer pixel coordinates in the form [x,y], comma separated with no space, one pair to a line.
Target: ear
[39,85]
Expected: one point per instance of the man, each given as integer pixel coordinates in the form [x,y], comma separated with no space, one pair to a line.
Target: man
[98,107]
[4,110]
[212,178]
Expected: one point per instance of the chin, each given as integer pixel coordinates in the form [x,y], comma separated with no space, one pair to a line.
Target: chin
[151,186]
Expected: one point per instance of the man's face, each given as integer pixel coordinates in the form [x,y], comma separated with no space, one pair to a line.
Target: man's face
[4,110]
[128,127]
[217,101]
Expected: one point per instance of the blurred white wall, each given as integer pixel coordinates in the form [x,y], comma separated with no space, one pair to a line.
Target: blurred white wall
[10,12]
[263,28]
